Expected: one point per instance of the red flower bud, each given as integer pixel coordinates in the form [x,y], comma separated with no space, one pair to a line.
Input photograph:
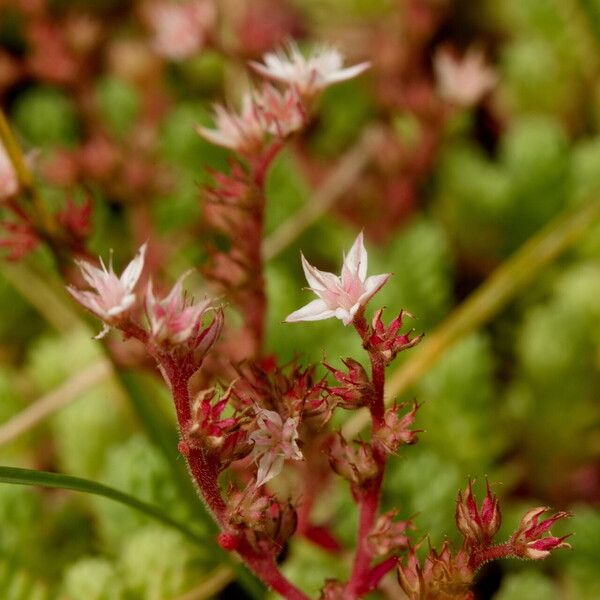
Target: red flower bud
[387,340]
[528,542]
[265,522]
[396,429]
[333,590]
[389,535]
[356,389]
[355,463]
[478,526]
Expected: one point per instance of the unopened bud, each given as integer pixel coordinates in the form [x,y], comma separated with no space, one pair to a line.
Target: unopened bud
[355,463]
[528,541]
[478,526]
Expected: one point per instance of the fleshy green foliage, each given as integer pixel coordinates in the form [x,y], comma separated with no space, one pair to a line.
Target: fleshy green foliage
[157,563]
[52,359]
[492,207]
[93,579]
[421,265]
[24,322]
[11,403]
[135,467]
[118,102]
[87,428]
[45,116]
[20,512]
[558,349]
[528,584]
[310,566]
[433,501]
[18,584]
[458,414]
[582,564]
[344,111]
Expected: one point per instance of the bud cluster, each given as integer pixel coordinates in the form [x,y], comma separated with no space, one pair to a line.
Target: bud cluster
[260,520]
[478,526]
[528,540]
[449,575]
[388,341]
[443,575]
[354,462]
[224,438]
[395,430]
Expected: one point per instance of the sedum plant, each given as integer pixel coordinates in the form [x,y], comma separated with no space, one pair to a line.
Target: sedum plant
[261,437]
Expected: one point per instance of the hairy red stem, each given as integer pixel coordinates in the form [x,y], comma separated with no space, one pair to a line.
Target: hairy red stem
[204,470]
[480,557]
[369,497]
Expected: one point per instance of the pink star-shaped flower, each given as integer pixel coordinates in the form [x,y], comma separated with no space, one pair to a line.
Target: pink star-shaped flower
[173,319]
[113,296]
[274,442]
[309,75]
[463,81]
[9,183]
[340,297]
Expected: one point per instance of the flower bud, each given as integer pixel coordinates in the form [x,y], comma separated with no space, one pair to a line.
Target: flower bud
[410,576]
[265,522]
[333,590]
[223,438]
[355,463]
[528,542]
[387,340]
[396,429]
[389,535]
[356,389]
[478,526]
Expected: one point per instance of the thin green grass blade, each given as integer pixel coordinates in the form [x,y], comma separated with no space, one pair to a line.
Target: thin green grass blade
[18,476]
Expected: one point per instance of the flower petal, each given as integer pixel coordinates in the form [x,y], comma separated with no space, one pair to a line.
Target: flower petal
[356,261]
[134,269]
[372,285]
[318,280]
[313,311]
[269,466]
[348,73]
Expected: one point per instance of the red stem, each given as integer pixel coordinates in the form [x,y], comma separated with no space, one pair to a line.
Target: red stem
[265,567]
[359,583]
[480,557]
[255,305]
[204,470]
[369,503]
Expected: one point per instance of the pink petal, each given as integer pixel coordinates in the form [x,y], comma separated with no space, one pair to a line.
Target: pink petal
[318,280]
[356,261]
[134,269]
[348,73]
[372,285]
[313,311]
[269,466]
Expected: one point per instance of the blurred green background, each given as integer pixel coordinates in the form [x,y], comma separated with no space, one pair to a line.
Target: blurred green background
[516,401]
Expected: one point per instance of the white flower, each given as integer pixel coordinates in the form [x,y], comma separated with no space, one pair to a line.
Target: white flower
[243,132]
[340,297]
[9,184]
[463,81]
[180,28]
[274,442]
[309,75]
[263,112]
[282,113]
[172,319]
[113,296]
